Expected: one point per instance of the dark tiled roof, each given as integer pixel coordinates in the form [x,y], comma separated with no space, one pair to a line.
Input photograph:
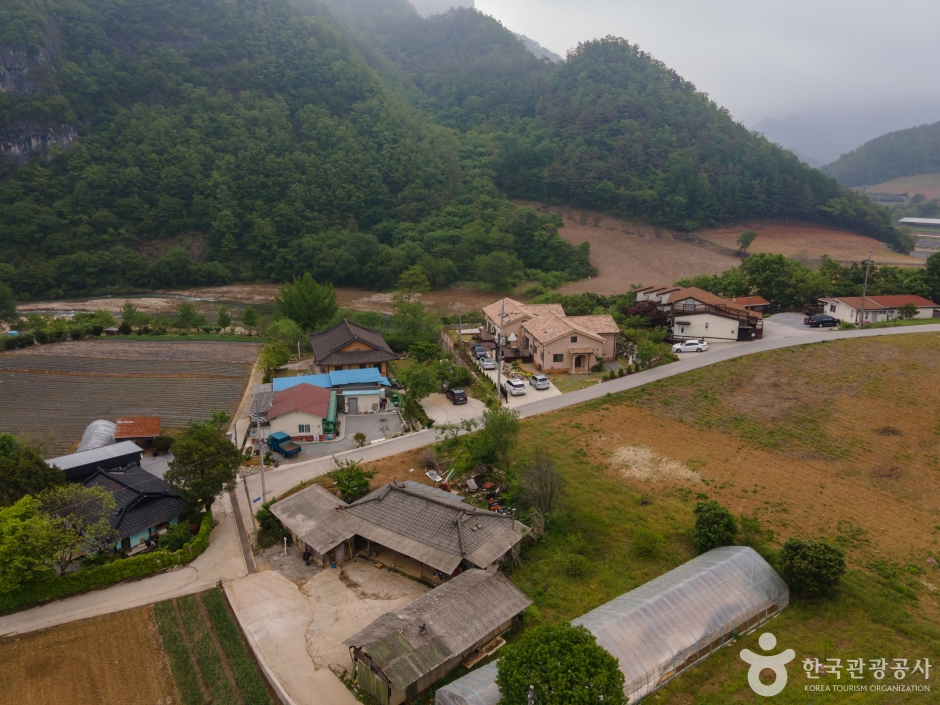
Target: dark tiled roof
[327,345]
[143,500]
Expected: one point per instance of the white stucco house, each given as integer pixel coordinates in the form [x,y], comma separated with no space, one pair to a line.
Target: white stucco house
[877,308]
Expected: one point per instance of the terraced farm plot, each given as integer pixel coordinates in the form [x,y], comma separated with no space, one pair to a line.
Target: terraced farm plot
[52,392]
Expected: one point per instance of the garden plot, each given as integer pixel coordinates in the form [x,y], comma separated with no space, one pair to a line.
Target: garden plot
[52,392]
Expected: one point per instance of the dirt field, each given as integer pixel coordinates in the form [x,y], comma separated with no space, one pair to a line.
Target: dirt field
[927,184]
[106,379]
[116,659]
[809,243]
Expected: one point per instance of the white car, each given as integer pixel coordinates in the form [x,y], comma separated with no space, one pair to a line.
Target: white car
[488,363]
[690,346]
[539,381]
[514,387]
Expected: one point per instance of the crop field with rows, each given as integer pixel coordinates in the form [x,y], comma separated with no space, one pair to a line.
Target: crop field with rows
[52,392]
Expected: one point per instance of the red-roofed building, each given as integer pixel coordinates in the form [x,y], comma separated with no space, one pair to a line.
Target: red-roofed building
[877,308]
[301,411]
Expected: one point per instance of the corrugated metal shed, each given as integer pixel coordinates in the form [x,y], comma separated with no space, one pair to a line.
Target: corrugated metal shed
[666,625]
[137,427]
[107,457]
[411,642]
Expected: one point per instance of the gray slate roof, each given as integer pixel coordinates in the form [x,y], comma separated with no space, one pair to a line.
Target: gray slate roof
[456,616]
[328,344]
[438,531]
[143,500]
[96,455]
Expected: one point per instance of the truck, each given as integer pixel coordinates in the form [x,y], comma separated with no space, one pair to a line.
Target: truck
[281,443]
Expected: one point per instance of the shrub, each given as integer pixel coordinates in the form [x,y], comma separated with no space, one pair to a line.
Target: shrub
[76,334]
[97,331]
[125,328]
[621,372]
[175,538]
[576,565]
[811,568]
[845,325]
[42,337]
[162,443]
[352,479]
[714,526]
[646,543]
[360,439]
[270,528]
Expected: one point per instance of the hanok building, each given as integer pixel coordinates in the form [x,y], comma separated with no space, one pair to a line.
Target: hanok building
[403,653]
[347,346]
[421,531]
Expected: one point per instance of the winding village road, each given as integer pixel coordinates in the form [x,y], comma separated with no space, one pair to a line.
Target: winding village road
[228,558]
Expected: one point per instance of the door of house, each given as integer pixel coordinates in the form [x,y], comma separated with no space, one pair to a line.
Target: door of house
[371,683]
[353,405]
[578,361]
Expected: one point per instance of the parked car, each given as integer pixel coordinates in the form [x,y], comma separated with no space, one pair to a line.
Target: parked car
[282,443]
[690,346]
[395,383]
[480,353]
[514,387]
[820,321]
[488,363]
[457,395]
[539,381]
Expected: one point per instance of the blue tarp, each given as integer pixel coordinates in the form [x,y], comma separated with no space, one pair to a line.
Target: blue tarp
[333,379]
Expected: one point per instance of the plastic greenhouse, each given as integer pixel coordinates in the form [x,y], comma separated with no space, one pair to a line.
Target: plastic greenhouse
[666,625]
[99,434]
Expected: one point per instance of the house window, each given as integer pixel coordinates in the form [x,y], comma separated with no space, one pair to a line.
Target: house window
[362,367]
[303,428]
[558,357]
[574,339]
[832,308]
[542,355]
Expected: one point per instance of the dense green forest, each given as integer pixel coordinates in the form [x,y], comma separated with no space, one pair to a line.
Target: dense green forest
[223,141]
[902,153]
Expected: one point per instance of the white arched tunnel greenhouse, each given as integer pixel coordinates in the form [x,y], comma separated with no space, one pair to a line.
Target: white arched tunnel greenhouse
[667,625]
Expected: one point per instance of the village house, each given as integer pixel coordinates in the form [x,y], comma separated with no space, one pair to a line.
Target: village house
[421,531]
[878,309]
[347,346]
[304,412]
[405,652]
[696,314]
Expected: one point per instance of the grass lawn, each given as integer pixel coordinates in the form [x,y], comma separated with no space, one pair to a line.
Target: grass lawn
[838,440]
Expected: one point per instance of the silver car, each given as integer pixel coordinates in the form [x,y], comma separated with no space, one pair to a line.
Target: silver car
[514,387]
[487,363]
[690,346]
[539,381]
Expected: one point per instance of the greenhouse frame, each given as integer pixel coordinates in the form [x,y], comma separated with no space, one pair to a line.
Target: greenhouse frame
[661,628]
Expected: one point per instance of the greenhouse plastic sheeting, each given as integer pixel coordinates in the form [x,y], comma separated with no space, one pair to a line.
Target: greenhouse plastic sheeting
[666,625]
[99,434]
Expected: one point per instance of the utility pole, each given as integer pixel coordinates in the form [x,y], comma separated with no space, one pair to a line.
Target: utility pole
[861,314]
[459,327]
[499,347]
[261,457]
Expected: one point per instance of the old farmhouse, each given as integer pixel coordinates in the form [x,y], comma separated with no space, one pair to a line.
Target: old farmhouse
[418,530]
[347,346]
[403,653]
[877,308]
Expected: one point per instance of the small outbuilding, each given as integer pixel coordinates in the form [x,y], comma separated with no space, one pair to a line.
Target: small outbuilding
[666,625]
[78,466]
[403,653]
[137,428]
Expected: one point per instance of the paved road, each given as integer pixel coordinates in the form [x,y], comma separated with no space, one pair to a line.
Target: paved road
[782,335]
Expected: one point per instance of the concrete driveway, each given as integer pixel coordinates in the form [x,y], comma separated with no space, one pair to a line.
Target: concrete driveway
[370,424]
[299,629]
[442,410]
[531,393]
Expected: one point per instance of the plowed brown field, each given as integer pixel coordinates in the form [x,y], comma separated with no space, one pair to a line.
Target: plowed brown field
[116,659]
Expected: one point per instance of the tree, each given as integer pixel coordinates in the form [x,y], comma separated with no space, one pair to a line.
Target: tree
[811,568]
[271,357]
[310,305]
[23,471]
[249,319]
[499,269]
[360,439]
[351,479]
[907,312]
[500,432]
[654,316]
[746,238]
[423,351]
[715,526]
[224,319]
[932,276]
[646,351]
[204,462]
[130,315]
[7,304]
[411,282]
[81,517]
[542,484]
[563,664]
[27,544]
[187,317]
[284,332]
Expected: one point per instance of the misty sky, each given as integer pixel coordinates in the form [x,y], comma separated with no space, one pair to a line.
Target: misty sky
[766,59]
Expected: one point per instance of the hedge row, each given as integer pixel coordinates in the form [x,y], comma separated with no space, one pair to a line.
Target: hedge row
[101,576]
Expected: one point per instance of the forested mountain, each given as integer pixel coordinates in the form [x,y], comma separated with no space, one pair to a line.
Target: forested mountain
[202,141]
[902,153]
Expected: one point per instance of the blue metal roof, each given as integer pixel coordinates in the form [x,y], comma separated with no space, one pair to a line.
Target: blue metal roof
[360,392]
[333,379]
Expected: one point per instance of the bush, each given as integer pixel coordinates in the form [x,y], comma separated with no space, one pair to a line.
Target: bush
[270,529]
[162,443]
[97,331]
[621,372]
[646,543]
[576,565]
[811,568]
[125,328]
[714,526]
[42,337]
[76,334]
[175,538]
[352,480]
[845,325]
[57,587]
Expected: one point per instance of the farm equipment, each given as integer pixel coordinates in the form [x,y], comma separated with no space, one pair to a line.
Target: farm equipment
[281,443]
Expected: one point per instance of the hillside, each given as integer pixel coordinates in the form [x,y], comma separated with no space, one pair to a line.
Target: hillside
[902,153]
[206,142]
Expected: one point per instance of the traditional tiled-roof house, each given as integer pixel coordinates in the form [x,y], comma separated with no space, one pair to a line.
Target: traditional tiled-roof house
[348,346]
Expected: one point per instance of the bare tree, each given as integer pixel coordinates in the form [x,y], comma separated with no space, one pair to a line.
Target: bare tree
[543,485]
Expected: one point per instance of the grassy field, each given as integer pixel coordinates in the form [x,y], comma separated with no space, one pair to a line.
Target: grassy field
[106,379]
[839,440]
[927,184]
